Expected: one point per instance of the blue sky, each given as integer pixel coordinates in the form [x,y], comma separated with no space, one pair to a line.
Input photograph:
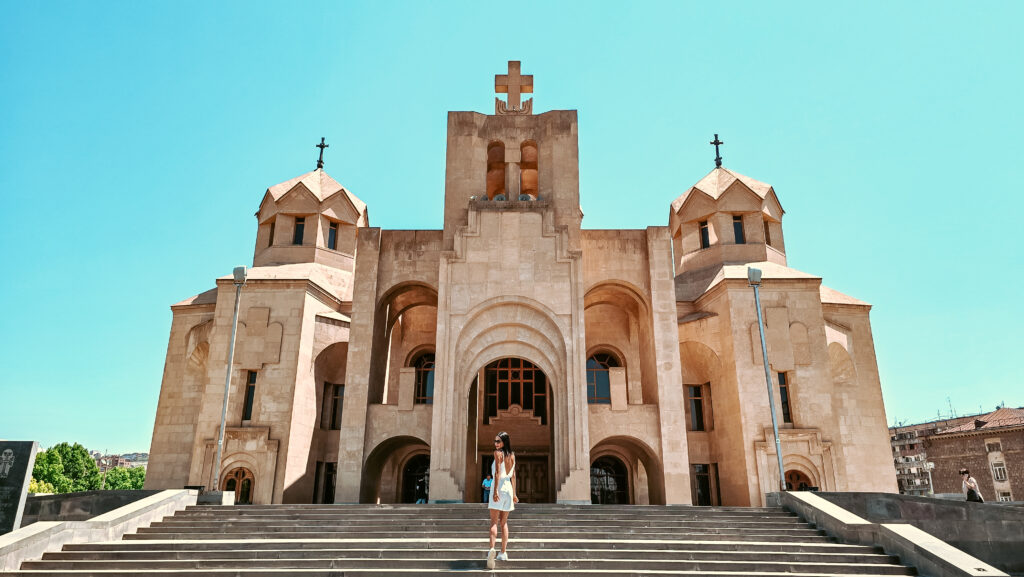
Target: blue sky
[136,140]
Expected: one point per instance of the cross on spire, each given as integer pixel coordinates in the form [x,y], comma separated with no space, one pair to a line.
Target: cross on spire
[718,157]
[514,84]
[323,144]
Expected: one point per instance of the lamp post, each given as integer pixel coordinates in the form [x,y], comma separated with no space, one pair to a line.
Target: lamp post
[239,274]
[754,278]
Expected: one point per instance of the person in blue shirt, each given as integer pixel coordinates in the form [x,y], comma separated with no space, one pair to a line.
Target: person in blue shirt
[487,484]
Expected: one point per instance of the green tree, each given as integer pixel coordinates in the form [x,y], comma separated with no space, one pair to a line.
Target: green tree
[49,470]
[125,478]
[36,487]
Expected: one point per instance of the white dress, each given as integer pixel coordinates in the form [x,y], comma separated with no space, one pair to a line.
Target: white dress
[504,490]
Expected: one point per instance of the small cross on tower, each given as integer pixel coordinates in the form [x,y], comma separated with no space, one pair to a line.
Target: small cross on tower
[718,157]
[323,144]
[514,84]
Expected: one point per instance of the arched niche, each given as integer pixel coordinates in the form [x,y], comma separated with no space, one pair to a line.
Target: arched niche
[641,461]
[617,316]
[383,468]
[406,320]
[495,169]
[528,168]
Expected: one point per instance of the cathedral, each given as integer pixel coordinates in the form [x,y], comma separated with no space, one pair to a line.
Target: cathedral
[377,366]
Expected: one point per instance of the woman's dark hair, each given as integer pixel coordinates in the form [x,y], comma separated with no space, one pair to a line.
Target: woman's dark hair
[506,443]
[964,472]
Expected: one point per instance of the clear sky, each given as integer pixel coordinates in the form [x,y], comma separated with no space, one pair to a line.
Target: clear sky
[137,139]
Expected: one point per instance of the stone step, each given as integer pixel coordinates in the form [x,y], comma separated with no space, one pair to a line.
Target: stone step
[470,506]
[498,572]
[279,519]
[523,553]
[809,536]
[480,542]
[482,514]
[475,562]
[474,525]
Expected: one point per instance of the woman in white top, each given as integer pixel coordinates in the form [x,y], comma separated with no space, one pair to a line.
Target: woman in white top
[503,494]
[970,487]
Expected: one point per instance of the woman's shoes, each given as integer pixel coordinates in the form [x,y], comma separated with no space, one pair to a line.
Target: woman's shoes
[490,558]
[502,556]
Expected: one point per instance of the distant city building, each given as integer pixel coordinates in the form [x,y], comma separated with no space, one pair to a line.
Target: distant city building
[913,468]
[991,446]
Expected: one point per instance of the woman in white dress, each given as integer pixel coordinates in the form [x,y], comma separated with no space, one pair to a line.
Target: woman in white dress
[503,494]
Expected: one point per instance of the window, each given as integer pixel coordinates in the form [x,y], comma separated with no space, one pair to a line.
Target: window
[300,230]
[424,379]
[609,482]
[911,447]
[695,405]
[705,234]
[250,394]
[334,401]
[270,237]
[332,236]
[704,480]
[599,386]
[1005,496]
[514,381]
[737,230]
[999,471]
[994,447]
[787,417]
[767,232]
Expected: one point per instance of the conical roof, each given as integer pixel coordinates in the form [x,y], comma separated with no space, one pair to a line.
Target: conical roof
[320,184]
[716,182]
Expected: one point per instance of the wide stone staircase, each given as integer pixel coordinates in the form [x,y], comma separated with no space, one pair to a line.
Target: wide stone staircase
[393,540]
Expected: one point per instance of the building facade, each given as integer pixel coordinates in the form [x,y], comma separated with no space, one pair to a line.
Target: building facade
[991,446]
[625,364]
[909,455]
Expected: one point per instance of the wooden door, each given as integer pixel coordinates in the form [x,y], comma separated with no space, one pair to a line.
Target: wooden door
[532,480]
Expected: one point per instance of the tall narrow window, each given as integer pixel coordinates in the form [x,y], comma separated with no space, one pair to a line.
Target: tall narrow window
[332,236]
[705,234]
[599,388]
[787,417]
[704,484]
[767,232]
[270,237]
[695,404]
[496,170]
[999,471]
[334,400]
[300,230]
[424,379]
[737,230]
[250,394]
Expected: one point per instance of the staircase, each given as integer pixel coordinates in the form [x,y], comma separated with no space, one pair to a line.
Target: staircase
[408,540]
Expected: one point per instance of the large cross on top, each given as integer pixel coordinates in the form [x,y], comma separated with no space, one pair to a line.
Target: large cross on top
[513,84]
[323,144]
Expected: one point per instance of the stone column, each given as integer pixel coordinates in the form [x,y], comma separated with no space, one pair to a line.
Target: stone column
[674,454]
[513,173]
[360,359]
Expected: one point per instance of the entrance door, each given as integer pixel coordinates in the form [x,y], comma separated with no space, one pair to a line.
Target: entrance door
[532,479]
[240,481]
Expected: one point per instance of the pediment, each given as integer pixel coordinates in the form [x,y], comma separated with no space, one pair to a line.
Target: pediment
[299,199]
[340,207]
[697,206]
[772,207]
[739,198]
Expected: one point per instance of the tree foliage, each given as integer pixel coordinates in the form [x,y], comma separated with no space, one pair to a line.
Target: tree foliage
[125,478]
[36,487]
[67,468]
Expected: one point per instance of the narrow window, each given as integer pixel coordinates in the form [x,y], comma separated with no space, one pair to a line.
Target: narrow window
[332,236]
[330,480]
[695,402]
[424,379]
[784,396]
[317,481]
[999,471]
[334,400]
[705,488]
[767,232]
[599,386]
[705,234]
[737,230]
[300,230]
[993,447]
[270,237]
[250,394]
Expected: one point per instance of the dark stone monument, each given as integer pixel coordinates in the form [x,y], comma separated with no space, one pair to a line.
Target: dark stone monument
[16,461]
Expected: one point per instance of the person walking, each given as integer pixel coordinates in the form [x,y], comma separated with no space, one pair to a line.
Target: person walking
[488,481]
[970,486]
[503,496]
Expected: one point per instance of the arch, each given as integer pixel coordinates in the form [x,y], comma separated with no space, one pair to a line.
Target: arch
[803,465]
[633,450]
[388,454]
[414,301]
[242,481]
[629,328]
[599,390]
[610,481]
[610,349]
[528,168]
[414,481]
[844,372]
[699,363]
[496,169]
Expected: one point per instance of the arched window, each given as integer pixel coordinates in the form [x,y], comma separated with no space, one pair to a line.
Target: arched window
[416,479]
[528,169]
[424,365]
[599,388]
[495,169]
[609,482]
[514,381]
[241,481]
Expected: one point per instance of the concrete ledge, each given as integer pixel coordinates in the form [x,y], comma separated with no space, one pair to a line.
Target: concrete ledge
[32,541]
[928,554]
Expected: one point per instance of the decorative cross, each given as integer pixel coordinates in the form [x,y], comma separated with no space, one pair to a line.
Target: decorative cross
[513,84]
[718,157]
[323,144]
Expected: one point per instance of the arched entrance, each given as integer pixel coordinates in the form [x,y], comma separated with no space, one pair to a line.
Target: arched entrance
[416,479]
[797,481]
[609,482]
[515,398]
[240,481]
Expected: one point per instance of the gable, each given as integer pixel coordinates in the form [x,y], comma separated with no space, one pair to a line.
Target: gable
[739,198]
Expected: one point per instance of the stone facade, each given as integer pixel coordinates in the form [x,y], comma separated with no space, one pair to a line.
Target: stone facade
[626,364]
[991,446]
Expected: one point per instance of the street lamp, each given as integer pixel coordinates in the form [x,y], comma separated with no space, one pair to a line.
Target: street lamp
[754,278]
[239,280]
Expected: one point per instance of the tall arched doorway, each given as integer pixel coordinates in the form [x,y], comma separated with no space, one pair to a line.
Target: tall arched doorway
[240,481]
[609,482]
[416,479]
[515,398]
